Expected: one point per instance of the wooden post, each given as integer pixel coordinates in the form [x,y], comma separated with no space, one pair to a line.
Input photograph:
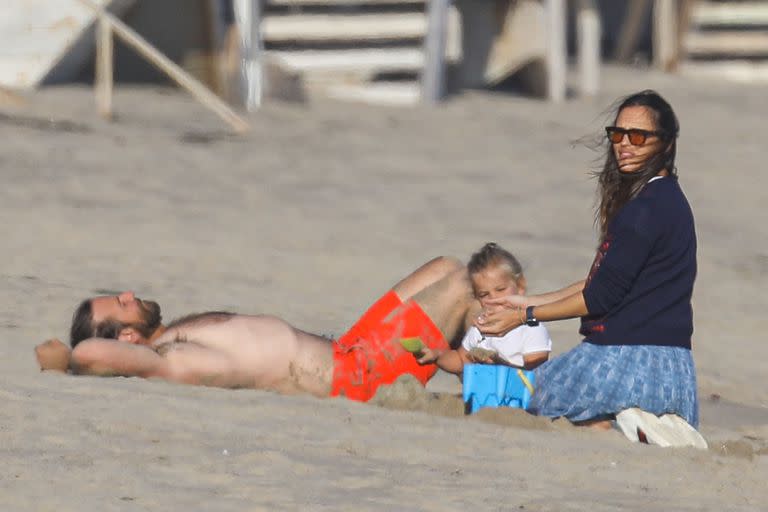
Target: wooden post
[665,34]
[588,28]
[215,30]
[433,75]
[556,49]
[104,82]
[163,63]
[630,29]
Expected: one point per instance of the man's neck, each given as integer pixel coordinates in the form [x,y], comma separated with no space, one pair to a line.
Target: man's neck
[158,332]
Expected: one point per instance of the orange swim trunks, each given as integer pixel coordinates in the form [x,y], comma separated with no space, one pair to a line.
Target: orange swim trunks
[370,354]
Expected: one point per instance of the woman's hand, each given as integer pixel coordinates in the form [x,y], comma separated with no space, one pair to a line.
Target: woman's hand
[509,302]
[500,316]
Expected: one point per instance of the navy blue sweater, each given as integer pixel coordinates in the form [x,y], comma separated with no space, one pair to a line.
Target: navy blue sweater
[639,288]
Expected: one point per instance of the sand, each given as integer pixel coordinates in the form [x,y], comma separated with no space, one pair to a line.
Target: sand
[311,217]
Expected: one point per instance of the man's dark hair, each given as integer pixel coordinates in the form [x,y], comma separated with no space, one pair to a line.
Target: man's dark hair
[82,323]
[83,326]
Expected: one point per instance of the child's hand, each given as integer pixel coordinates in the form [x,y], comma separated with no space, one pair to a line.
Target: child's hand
[482,356]
[426,356]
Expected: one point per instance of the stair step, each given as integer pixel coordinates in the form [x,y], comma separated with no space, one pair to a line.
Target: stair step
[743,13]
[363,60]
[359,60]
[378,93]
[727,43]
[735,70]
[343,27]
[344,3]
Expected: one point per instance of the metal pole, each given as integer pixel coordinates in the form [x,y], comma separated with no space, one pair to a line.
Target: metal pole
[433,77]
[248,15]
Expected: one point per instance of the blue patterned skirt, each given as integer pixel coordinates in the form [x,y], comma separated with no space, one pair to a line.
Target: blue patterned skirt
[596,381]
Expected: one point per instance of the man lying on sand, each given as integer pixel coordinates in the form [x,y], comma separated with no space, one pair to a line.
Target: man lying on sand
[124,336]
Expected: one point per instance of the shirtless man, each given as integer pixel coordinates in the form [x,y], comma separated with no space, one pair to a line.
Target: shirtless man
[264,352]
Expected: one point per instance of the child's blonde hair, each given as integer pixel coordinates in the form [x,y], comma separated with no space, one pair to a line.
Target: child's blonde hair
[492,254]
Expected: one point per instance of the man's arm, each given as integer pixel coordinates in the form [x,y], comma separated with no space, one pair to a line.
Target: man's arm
[108,358]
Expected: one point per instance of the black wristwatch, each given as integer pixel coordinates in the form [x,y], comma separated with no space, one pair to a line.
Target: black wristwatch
[530,320]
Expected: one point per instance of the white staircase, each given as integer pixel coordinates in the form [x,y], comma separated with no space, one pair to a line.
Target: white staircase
[727,40]
[360,50]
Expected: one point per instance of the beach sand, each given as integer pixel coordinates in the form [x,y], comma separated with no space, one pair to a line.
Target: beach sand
[311,217]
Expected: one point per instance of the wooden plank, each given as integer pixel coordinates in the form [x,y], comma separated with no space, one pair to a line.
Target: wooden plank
[170,68]
[588,28]
[556,50]
[358,59]
[732,70]
[378,93]
[746,13]
[104,80]
[665,34]
[433,76]
[341,27]
[331,3]
[727,43]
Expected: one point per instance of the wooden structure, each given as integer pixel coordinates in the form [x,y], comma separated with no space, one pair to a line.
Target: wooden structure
[109,25]
[349,48]
[724,40]
[390,51]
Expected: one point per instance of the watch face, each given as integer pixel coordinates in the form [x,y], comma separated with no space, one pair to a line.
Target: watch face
[530,320]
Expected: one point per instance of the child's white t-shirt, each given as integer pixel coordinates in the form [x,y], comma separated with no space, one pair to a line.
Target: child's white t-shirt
[513,345]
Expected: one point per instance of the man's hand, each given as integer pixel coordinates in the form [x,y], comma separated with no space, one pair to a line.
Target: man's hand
[53,355]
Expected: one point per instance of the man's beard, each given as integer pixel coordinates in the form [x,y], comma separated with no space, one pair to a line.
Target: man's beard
[150,318]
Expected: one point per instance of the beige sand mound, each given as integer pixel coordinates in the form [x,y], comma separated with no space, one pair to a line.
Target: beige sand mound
[407,394]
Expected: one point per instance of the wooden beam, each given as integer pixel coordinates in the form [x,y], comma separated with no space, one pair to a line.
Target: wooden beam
[170,68]
[589,33]
[665,34]
[630,29]
[104,80]
[556,49]
[433,77]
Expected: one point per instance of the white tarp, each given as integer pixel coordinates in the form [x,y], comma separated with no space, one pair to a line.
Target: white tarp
[43,38]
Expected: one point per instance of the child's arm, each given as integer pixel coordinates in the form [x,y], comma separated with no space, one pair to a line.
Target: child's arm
[534,359]
[453,361]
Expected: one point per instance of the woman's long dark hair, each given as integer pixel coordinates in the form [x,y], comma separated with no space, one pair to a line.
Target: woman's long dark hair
[615,189]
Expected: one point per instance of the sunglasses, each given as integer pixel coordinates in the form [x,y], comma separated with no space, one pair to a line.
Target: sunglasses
[637,137]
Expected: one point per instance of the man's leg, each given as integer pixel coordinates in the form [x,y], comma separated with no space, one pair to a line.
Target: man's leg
[449,303]
[426,275]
